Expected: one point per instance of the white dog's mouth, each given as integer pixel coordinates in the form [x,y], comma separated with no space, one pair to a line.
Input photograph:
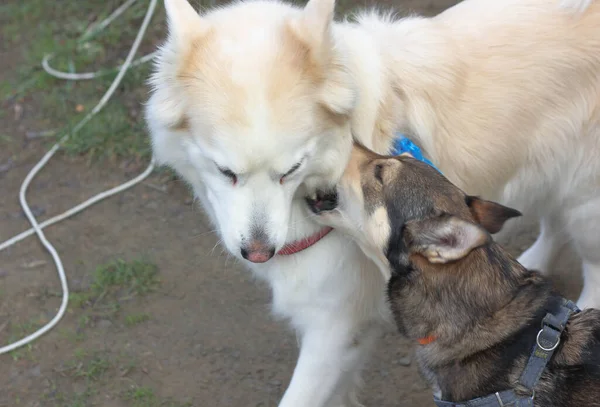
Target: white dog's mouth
[323,201]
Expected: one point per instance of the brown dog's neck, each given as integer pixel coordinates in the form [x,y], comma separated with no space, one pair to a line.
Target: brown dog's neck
[470,309]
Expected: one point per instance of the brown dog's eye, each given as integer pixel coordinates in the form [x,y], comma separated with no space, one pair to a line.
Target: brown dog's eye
[378,173]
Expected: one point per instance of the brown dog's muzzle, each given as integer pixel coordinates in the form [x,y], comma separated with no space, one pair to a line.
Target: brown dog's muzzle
[323,201]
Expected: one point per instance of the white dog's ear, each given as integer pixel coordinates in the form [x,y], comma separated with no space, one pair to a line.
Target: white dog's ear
[313,27]
[184,22]
[444,238]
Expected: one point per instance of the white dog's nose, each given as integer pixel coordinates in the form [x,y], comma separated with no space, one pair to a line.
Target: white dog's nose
[257,251]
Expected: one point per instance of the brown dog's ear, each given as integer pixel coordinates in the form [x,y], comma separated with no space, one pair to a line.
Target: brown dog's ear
[490,215]
[444,238]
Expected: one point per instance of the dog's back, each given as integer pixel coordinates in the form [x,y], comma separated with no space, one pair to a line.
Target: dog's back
[572,378]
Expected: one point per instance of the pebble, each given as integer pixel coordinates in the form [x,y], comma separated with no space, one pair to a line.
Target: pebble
[35,371]
[37,211]
[420,385]
[405,361]
[104,323]
[6,166]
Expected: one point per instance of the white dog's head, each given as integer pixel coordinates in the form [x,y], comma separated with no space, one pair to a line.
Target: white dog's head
[249,102]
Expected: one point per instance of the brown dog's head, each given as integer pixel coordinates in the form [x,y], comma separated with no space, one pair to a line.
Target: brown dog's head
[397,207]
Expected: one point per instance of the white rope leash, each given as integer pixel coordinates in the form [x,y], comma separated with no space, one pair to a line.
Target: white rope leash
[36,227]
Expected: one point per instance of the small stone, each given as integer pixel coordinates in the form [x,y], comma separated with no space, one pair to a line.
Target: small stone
[34,264]
[420,385]
[18,111]
[35,371]
[30,135]
[37,211]
[104,324]
[405,361]
[7,166]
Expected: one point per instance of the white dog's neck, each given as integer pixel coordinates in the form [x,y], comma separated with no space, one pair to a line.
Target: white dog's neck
[410,77]
[392,100]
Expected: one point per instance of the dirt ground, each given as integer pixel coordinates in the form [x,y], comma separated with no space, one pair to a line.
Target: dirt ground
[202,336]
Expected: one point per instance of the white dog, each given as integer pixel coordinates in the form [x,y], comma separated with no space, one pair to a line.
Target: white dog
[256,104]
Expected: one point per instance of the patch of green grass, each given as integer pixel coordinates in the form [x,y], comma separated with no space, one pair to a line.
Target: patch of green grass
[79,299]
[112,283]
[136,319]
[80,401]
[141,397]
[129,278]
[75,336]
[169,403]
[60,399]
[19,331]
[127,362]
[90,367]
[118,131]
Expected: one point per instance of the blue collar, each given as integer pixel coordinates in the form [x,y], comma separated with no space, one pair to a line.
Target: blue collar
[403,144]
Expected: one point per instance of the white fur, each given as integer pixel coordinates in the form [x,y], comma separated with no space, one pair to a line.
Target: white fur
[577,5]
[503,96]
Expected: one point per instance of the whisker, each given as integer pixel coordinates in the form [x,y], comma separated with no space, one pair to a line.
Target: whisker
[215,246]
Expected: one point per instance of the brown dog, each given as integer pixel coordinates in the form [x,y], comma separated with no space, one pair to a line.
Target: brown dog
[491,332]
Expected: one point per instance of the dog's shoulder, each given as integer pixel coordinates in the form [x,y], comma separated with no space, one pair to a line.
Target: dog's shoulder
[582,341]
[573,375]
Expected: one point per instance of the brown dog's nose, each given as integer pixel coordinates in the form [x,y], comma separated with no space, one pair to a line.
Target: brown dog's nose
[323,201]
[257,251]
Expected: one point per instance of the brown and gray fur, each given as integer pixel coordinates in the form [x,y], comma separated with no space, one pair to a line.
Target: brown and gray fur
[450,280]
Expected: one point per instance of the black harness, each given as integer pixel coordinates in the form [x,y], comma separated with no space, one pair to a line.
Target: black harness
[548,339]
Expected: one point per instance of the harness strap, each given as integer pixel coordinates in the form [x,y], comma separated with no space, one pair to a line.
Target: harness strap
[503,398]
[547,341]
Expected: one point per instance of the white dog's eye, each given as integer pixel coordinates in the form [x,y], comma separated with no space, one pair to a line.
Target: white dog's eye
[290,171]
[229,174]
